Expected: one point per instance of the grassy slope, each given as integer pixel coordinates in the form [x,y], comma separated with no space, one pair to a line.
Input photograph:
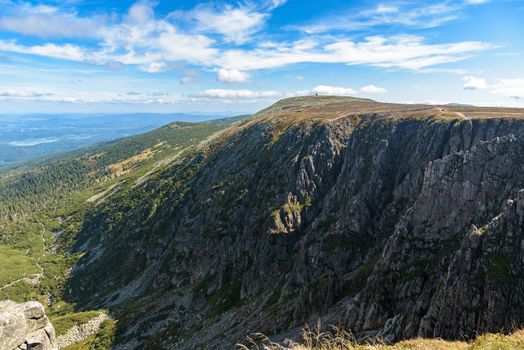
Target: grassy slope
[42,209]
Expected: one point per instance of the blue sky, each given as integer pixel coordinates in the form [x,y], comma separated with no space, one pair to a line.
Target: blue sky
[239,56]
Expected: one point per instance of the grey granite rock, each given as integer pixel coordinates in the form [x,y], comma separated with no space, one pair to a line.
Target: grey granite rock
[25,326]
[395,227]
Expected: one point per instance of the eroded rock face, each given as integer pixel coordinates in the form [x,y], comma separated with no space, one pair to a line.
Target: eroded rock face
[396,227]
[25,326]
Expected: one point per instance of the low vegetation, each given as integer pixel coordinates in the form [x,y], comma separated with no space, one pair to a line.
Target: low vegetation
[43,207]
[338,339]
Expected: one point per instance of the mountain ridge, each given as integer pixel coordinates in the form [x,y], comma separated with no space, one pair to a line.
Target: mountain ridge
[264,191]
[395,221]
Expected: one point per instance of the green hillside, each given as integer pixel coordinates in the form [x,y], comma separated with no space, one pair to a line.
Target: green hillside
[42,208]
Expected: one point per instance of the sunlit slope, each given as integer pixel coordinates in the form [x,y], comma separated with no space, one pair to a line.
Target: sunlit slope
[43,206]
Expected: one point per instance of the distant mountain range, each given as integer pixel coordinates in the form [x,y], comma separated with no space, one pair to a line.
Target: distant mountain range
[25,137]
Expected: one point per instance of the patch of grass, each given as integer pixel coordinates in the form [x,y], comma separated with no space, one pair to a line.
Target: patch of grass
[63,323]
[105,337]
[499,341]
[308,202]
[15,264]
[83,345]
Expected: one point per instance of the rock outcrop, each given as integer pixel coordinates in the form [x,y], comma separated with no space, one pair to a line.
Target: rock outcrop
[397,221]
[25,326]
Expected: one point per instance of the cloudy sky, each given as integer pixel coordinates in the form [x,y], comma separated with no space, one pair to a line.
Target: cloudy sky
[239,56]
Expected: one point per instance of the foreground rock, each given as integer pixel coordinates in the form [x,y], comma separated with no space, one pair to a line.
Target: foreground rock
[25,326]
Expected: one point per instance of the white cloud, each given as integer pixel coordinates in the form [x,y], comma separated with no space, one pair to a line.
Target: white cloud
[509,88]
[417,14]
[188,79]
[154,44]
[232,76]
[235,24]
[273,4]
[141,12]
[408,14]
[238,94]
[372,89]
[340,91]
[333,90]
[512,88]
[407,52]
[381,9]
[48,21]
[476,2]
[154,67]
[66,51]
[10,93]
[472,83]
[142,39]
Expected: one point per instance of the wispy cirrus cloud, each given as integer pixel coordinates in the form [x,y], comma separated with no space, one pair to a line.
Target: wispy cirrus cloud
[273,4]
[476,2]
[407,52]
[141,38]
[417,14]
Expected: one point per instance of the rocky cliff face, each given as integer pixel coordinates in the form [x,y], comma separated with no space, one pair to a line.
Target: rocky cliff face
[397,221]
[25,326]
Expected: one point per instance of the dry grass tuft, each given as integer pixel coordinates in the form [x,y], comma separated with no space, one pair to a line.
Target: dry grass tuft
[339,339]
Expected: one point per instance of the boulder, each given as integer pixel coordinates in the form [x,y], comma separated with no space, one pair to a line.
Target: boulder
[25,326]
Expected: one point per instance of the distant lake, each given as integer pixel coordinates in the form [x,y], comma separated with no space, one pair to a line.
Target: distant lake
[25,137]
[31,142]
